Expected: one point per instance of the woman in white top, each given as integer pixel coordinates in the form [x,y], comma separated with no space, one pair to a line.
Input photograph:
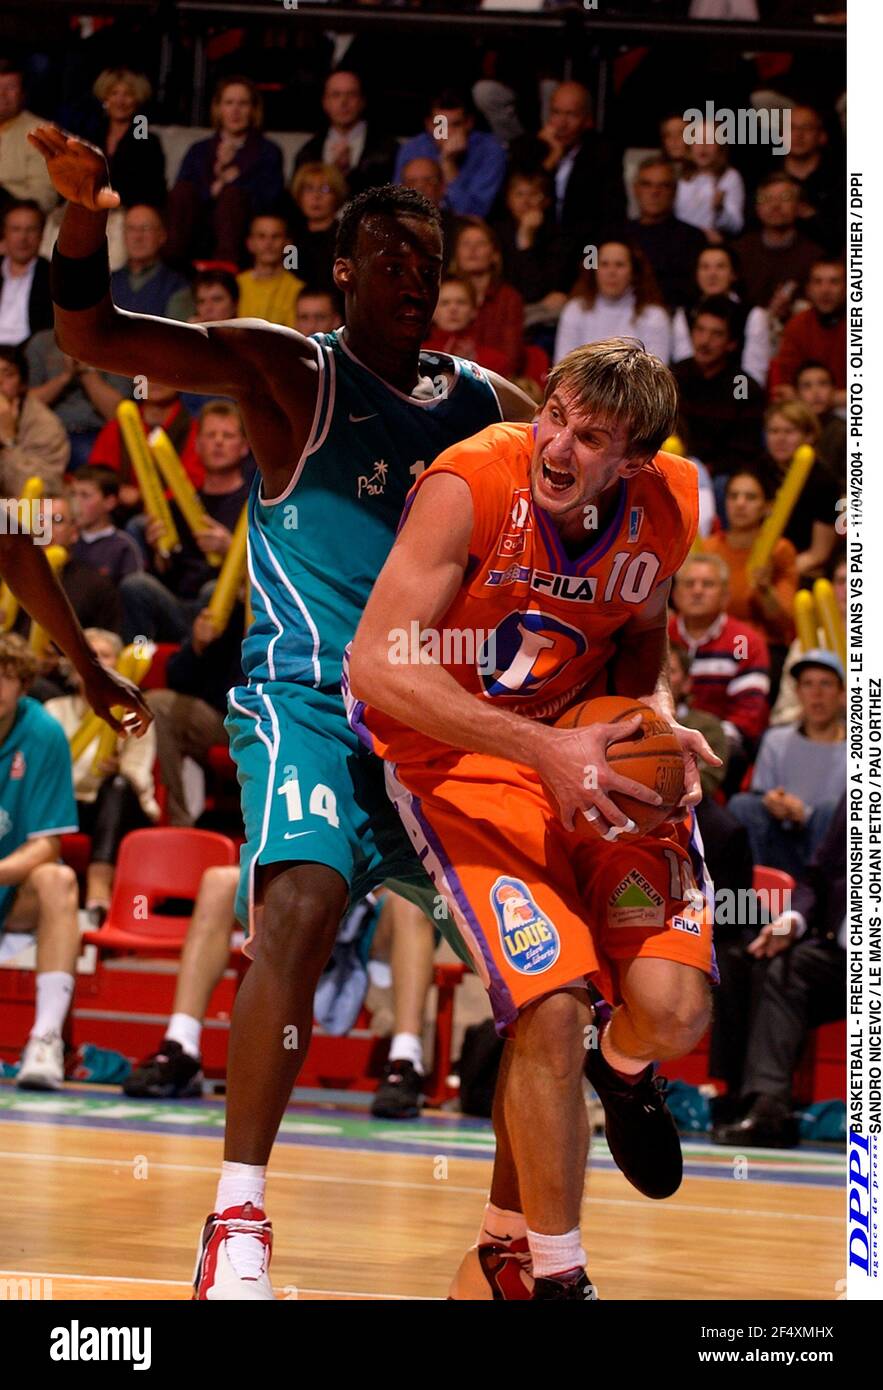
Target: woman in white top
[711,195]
[618,300]
[717,273]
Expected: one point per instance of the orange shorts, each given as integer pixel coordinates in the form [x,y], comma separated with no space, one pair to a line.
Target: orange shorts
[536,907]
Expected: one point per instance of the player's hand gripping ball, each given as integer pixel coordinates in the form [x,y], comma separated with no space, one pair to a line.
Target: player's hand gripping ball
[652,756]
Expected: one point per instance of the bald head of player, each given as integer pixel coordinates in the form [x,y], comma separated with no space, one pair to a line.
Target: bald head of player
[607,409]
[388,264]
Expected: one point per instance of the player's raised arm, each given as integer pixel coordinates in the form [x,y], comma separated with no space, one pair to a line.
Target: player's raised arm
[514,403]
[247,360]
[417,584]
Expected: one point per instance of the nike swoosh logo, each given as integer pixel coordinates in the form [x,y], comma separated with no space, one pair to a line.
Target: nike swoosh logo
[297,834]
[357,419]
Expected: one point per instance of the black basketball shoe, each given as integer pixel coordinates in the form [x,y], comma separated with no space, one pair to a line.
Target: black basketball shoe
[639,1126]
[169,1074]
[580,1287]
[399,1095]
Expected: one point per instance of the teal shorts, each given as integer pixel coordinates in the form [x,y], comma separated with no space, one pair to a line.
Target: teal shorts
[311,793]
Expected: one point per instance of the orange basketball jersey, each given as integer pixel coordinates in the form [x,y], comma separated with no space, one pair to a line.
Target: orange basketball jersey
[532,627]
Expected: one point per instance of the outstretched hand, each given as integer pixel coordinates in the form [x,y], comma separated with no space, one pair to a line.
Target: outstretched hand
[77,169]
[105,688]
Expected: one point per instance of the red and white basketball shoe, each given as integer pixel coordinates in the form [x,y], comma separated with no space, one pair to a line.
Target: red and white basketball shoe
[494,1272]
[233,1260]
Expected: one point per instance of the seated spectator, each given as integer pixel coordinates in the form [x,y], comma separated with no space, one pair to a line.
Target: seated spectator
[93,597]
[268,291]
[819,177]
[717,273]
[618,300]
[671,138]
[33,442]
[215,296]
[38,898]
[763,597]
[453,323]
[224,180]
[671,246]
[399,1094]
[135,158]
[722,407]
[162,602]
[174,1071]
[799,983]
[535,259]
[190,713]
[318,311]
[472,162]
[96,493]
[82,397]
[114,798]
[216,299]
[425,175]
[585,169]
[730,668]
[362,156]
[145,284]
[23,172]
[818,333]
[811,526]
[777,258]
[319,192]
[710,193]
[500,313]
[163,407]
[725,842]
[787,707]
[25,301]
[800,770]
[814,384]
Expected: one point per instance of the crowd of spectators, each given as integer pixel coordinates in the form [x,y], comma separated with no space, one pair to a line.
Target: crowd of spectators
[730,269]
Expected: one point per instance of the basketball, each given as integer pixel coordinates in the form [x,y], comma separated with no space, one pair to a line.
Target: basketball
[651,756]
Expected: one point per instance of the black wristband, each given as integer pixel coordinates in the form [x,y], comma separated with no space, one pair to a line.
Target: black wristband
[79,282]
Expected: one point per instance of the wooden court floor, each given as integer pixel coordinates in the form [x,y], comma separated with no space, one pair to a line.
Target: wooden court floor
[111,1207]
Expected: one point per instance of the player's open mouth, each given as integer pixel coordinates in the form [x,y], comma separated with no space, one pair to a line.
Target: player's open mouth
[557,479]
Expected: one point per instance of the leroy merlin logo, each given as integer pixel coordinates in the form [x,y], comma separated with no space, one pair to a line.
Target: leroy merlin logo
[634,902]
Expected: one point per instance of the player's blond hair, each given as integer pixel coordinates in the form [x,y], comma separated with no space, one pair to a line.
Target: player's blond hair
[623,384]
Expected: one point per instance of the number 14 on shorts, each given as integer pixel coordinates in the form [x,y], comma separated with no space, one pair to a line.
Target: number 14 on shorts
[321,799]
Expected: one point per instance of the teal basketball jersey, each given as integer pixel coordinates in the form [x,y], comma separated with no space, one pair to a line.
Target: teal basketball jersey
[316,549]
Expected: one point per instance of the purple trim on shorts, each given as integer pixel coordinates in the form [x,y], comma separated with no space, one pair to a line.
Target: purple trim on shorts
[502,1003]
[355,709]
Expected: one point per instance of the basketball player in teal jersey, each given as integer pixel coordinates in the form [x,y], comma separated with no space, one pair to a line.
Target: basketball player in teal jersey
[340,425]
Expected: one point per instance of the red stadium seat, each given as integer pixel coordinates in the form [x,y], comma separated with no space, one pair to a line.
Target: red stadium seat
[770,880]
[155,864]
[156,676]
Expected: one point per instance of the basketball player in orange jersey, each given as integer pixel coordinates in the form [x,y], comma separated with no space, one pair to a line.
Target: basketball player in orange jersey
[552,545]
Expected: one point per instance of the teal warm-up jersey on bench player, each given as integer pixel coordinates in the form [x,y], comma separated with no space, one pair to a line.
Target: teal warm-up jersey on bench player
[309,790]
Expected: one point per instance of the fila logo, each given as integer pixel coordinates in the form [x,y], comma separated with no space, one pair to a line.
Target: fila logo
[574,587]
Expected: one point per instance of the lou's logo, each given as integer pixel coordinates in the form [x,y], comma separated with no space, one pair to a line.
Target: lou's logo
[526,651]
[529,939]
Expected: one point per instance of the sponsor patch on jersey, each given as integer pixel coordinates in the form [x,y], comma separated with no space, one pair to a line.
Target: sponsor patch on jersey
[512,541]
[531,943]
[636,521]
[575,587]
[19,767]
[512,574]
[687,924]
[634,902]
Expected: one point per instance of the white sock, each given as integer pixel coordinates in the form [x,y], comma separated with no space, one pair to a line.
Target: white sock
[187,1031]
[55,990]
[240,1183]
[553,1255]
[407,1047]
[500,1227]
